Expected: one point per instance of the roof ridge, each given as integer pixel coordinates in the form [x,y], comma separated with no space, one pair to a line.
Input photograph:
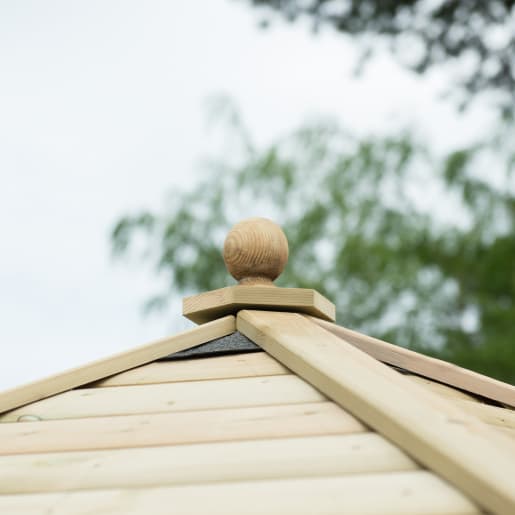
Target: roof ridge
[120,362]
[426,366]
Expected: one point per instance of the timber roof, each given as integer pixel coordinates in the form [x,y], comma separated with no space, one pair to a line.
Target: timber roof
[268,410]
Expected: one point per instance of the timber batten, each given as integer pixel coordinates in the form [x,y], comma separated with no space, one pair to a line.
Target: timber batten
[426,366]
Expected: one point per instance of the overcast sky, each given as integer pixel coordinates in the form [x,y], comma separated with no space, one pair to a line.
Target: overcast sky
[102,111]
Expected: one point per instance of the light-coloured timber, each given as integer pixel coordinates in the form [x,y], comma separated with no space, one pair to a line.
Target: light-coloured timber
[510,433]
[183,427]
[214,304]
[99,369]
[256,251]
[182,464]
[400,493]
[478,460]
[493,415]
[426,366]
[252,364]
[440,388]
[156,398]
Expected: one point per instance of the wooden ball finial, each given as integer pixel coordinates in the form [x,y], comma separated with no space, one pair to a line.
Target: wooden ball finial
[256,251]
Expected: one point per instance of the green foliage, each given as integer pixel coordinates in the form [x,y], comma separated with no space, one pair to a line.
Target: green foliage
[413,248]
[477,34]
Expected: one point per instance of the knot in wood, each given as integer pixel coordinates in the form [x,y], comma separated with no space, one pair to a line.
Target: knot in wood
[256,251]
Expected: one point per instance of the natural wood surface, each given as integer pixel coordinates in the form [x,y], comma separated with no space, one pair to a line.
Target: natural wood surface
[252,364]
[441,389]
[256,251]
[492,415]
[99,369]
[182,464]
[426,366]
[477,459]
[211,305]
[396,493]
[320,418]
[155,398]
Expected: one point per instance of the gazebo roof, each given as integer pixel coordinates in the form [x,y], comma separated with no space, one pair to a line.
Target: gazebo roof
[267,406]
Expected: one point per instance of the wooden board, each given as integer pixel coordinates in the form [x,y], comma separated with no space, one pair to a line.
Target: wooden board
[182,464]
[399,493]
[426,366]
[493,415]
[461,449]
[155,398]
[211,305]
[441,389]
[99,369]
[318,418]
[200,369]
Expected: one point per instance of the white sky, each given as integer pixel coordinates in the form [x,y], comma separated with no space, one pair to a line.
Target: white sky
[102,111]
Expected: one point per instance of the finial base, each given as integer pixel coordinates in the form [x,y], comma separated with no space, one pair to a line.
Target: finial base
[256,281]
[226,301]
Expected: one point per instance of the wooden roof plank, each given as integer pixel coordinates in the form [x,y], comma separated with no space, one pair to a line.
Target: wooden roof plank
[425,365]
[201,369]
[168,397]
[99,369]
[464,451]
[182,427]
[440,388]
[220,461]
[395,493]
[493,415]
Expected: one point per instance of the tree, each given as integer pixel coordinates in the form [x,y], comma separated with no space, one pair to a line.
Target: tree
[477,34]
[412,247]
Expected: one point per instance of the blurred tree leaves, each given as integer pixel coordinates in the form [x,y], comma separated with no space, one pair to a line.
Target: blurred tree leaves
[476,35]
[414,248]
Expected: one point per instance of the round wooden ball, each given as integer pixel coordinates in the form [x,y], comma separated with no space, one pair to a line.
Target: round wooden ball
[256,251]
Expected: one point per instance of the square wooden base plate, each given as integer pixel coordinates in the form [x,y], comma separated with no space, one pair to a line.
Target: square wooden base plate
[218,303]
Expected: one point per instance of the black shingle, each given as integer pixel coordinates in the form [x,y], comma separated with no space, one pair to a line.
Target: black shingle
[234,343]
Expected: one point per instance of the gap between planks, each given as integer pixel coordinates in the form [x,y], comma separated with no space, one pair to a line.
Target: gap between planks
[320,418]
[199,369]
[209,462]
[159,398]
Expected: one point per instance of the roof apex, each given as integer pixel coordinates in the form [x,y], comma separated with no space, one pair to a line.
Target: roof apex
[255,254]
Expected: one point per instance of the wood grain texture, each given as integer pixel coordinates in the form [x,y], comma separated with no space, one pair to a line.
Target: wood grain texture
[99,369]
[400,493]
[184,427]
[256,251]
[182,464]
[253,364]
[493,415]
[426,366]
[441,389]
[156,398]
[211,305]
[478,460]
